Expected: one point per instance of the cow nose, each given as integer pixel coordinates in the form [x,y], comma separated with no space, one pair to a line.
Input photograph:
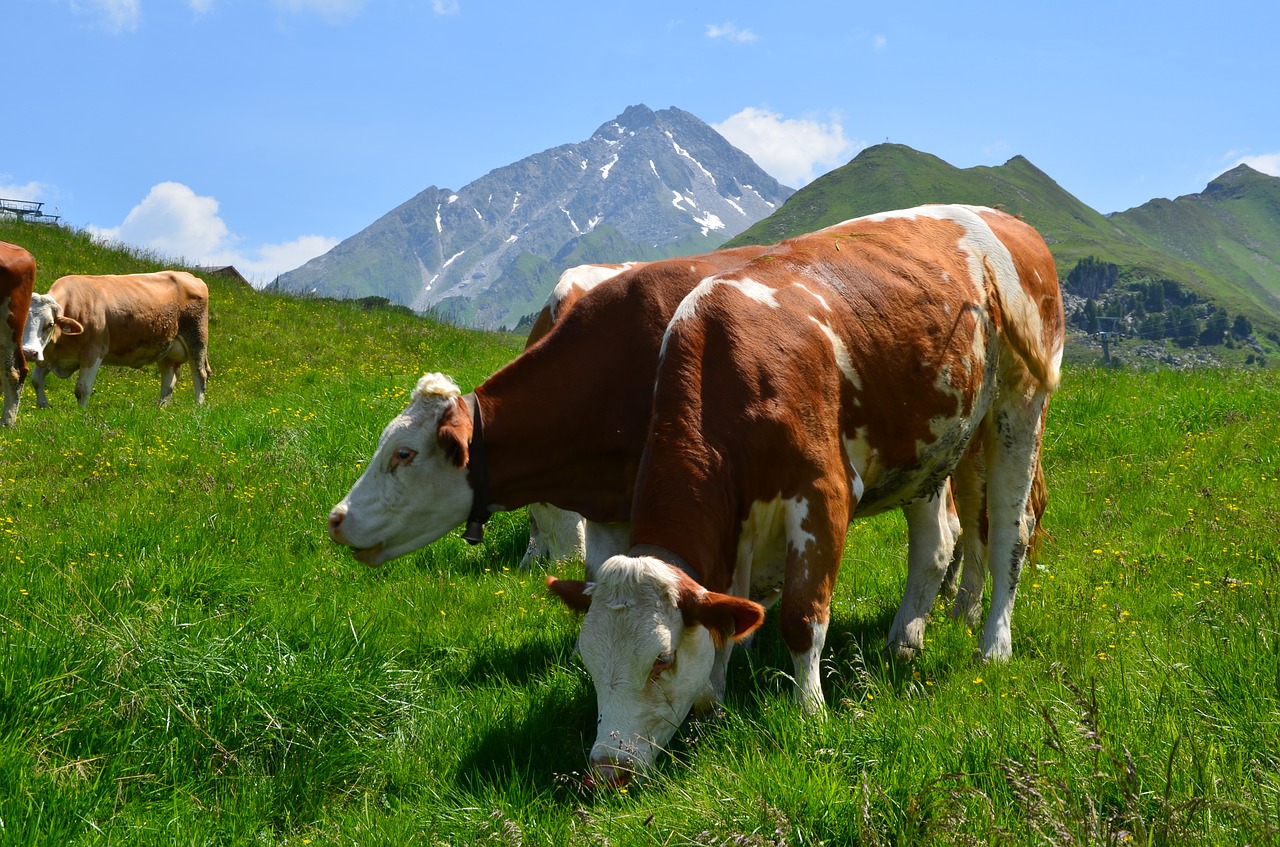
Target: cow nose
[336,517]
[28,353]
[608,773]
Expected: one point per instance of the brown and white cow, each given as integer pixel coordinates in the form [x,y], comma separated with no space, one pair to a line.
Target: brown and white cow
[556,534]
[85,322]
[563,423]
[597,376]
[17,280]
[841,374]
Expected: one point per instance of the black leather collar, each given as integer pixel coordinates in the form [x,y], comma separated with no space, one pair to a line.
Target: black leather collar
[478,469]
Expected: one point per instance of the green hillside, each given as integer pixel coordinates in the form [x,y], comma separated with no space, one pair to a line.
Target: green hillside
[1231,229]
[1145,243]
[253,335]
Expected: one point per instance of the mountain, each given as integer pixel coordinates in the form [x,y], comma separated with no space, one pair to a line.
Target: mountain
[1231,229]
[645,185]
[1222,245]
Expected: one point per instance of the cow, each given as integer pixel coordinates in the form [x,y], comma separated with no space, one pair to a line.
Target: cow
[85,322]
[841,374]
[17,281]
[556,534]
[530,433]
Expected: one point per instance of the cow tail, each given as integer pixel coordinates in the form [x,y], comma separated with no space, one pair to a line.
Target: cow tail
[1021,325]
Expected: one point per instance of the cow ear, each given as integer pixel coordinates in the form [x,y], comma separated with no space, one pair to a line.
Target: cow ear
[454,432]
[575,593]
[69,326]
[725,616]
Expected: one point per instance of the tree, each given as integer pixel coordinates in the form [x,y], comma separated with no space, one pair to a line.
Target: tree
[1090,316]
[1215,329]
[1182,325]
[1152,327]
[1154,293]
[1242,328]
[1091,276]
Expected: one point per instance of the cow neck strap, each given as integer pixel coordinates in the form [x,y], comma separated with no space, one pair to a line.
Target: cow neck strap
[478,467]
[667,556]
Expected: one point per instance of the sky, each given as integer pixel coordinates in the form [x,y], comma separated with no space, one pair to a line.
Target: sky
[260,133]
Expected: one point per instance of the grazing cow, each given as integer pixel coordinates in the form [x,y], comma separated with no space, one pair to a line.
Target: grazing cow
[843,373]
[17,279]
[554,533]
[530,433]
[133,319]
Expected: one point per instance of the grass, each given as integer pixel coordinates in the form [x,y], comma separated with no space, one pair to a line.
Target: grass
[186,659]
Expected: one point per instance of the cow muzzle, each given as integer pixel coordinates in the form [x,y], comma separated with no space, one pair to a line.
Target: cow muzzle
[614,771]
[371,556]
[32,355]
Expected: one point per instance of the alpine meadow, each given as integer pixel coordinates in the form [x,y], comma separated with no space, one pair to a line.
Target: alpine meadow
[185,658]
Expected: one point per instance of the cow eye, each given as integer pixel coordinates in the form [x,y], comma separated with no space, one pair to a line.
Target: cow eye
[660,664]
[402,456]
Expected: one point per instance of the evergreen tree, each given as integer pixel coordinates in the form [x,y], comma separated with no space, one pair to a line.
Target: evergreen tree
[1242,328]
[1091,276]
[1090,316]
[1215,329]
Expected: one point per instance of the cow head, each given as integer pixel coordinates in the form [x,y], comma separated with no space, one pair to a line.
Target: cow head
[45,323]
[648,640]
[416,486]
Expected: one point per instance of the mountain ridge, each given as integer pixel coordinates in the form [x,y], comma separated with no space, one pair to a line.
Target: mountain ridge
[1222,244]
[645,184]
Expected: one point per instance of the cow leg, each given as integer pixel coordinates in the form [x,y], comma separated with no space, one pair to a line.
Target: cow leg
[38,374]
[168,379]
[199,374]
[815,535]
[951,581]
[1013,451]
[11,375]
[84,382]
[971,503]
[929,547]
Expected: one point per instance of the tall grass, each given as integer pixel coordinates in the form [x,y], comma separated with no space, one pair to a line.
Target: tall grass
[186,659]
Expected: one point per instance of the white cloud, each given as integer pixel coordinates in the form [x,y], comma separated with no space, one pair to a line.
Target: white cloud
[792,151]
[200,6]
[117,16]
[879,42]
[18,191]
[444,7]
[731,32]
[1267,163]
[175,222]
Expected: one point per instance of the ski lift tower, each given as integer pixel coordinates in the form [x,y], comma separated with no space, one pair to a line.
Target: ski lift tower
[1108,331]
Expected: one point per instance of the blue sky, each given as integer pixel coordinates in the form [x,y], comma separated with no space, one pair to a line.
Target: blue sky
[262,132]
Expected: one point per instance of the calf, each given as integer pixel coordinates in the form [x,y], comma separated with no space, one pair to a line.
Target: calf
[841,374]
[17,280]
[85,322]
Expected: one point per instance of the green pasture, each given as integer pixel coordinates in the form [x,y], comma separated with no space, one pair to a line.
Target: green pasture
[186,659]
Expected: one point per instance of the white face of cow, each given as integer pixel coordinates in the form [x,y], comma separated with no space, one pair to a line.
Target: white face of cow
[415,488]
[45,322]
[649,641]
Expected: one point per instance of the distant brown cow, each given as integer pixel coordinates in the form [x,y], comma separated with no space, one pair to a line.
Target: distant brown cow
[133,319]
[17,279]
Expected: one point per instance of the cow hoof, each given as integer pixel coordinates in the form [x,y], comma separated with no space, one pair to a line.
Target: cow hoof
[901,653]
